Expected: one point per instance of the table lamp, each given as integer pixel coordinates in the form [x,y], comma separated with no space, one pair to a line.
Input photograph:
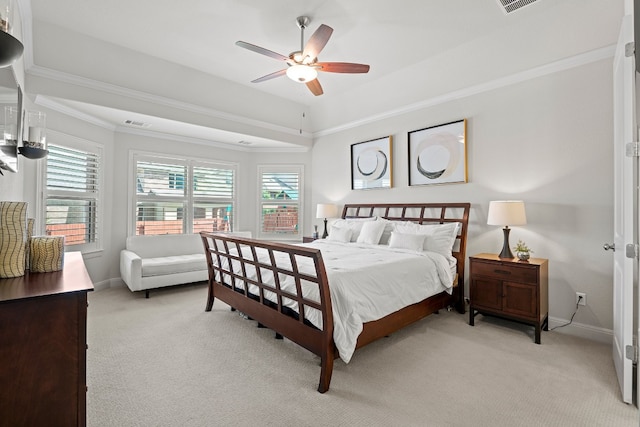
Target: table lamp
[326,210]
[506,212]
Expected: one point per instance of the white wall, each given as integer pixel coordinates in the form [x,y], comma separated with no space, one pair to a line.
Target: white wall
[547,141]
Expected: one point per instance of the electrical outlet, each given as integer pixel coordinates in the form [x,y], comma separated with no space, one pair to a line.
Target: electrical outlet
[581,298]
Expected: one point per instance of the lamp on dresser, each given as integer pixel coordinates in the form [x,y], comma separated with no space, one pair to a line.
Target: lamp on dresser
[506,213]
[326,210]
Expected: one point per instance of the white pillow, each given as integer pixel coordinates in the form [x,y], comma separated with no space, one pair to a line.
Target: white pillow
[340,234]
[354,224]
[371,232]
[406,227]
[386,231]
[415,242]
[440,238]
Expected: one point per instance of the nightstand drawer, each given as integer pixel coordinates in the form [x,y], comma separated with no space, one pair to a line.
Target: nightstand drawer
[524,273]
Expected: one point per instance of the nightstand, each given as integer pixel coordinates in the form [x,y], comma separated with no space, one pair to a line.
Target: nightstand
[307,239]
[510,288]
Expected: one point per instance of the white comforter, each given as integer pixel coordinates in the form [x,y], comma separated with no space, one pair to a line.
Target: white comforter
[368,282]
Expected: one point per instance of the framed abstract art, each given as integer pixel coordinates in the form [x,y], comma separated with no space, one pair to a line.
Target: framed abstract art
[438,154]
[371,164]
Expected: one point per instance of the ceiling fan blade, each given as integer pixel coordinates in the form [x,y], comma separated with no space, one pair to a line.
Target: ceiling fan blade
[261,50]
[270,76]
[342,67]
[314,87]
[317,42]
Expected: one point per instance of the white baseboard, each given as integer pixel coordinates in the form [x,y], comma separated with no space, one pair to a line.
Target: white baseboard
[581,330]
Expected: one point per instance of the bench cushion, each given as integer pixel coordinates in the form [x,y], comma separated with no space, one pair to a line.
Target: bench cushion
[173,264]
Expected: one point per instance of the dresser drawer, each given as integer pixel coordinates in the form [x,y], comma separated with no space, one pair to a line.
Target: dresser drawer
[514,273]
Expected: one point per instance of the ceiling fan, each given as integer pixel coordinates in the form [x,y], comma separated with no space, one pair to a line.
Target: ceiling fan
[303,65]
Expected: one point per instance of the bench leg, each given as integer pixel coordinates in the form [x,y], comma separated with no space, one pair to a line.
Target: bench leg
[146,293]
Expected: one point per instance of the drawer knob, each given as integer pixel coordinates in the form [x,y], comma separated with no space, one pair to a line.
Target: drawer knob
[502,271]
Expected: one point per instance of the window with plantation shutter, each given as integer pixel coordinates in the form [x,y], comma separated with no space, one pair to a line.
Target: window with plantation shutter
[72,196]
[281,202]
[175,196]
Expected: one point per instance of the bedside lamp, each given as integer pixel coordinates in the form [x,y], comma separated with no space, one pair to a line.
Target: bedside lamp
[326,210]
[506,212]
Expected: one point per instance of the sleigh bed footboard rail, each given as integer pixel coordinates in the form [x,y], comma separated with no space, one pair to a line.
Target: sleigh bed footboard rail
[279,285]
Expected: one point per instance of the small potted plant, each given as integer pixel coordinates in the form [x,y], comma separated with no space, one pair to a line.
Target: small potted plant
[522,251]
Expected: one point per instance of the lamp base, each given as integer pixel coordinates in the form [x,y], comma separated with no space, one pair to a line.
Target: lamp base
[506,251]
[325,234]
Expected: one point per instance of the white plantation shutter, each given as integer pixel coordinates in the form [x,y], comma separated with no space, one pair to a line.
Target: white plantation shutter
[280,207]
[213,182]
[73,196]
[176,196]
[213,198]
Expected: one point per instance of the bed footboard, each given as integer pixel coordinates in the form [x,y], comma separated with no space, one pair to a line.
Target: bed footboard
[274,284]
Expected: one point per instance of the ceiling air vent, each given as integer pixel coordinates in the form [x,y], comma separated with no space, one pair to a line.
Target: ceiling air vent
[137,124]
[509,6]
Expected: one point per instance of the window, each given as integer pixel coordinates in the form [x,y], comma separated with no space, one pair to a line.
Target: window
[183,196]
[281,201]
[72,195]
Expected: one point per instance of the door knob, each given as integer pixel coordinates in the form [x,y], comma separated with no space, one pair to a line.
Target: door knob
[608,246]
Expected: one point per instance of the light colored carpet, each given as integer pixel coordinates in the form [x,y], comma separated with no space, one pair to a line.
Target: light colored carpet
[164,361]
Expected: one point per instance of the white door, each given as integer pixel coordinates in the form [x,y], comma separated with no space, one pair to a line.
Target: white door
[624,132]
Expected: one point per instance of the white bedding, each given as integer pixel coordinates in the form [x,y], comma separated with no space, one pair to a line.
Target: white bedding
[367,282]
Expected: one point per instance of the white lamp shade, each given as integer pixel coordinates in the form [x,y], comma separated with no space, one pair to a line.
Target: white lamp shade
[301,73]
[326,210]
[506,212]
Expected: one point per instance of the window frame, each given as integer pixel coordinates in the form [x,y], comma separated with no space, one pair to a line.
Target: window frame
[188,198]
[280,168]
[80,144]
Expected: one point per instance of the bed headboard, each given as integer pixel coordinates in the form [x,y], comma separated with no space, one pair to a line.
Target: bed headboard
[422,213]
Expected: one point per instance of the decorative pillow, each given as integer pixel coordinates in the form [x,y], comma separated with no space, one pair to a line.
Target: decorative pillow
[354,224]
[440,238]
[386,231]
[415,242]
[340,234]
[371,232]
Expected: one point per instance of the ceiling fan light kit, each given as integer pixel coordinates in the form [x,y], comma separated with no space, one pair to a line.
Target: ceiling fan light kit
[303,65]
[301,73]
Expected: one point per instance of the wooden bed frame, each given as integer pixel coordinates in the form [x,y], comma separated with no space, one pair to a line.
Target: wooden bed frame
[221,249]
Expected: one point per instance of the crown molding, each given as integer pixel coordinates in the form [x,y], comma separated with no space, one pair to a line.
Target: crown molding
[551,68]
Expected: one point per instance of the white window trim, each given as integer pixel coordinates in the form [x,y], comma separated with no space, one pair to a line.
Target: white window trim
[135,156]
[299,168]
[76,143]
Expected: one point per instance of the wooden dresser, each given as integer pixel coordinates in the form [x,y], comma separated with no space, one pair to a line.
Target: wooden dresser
[43,342]
[509,288]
